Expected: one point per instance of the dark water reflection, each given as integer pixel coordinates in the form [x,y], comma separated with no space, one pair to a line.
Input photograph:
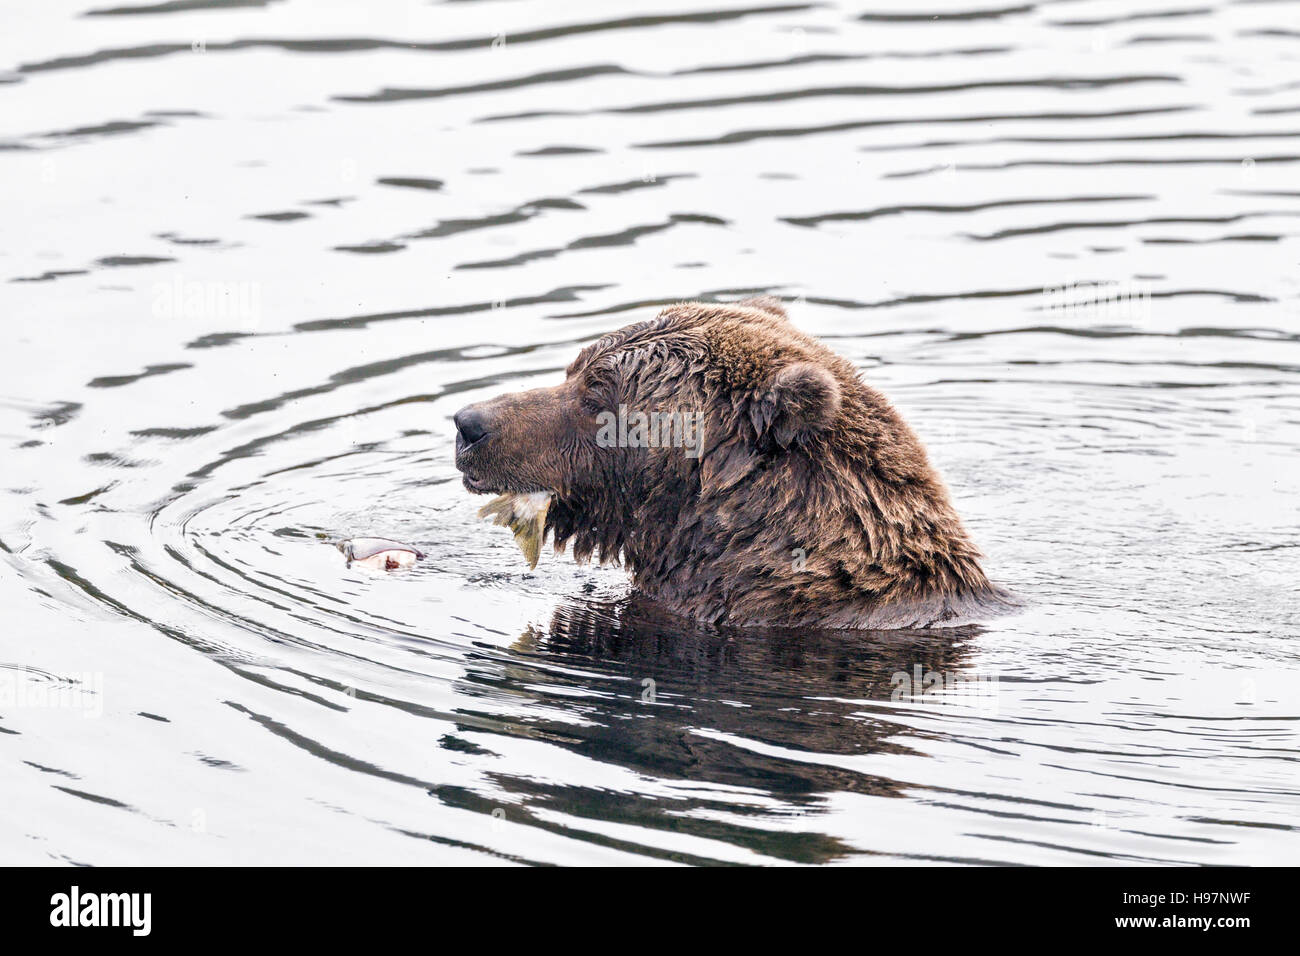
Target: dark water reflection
[667,698]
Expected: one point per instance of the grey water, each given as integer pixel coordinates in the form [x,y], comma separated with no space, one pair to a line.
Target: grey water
[254,255]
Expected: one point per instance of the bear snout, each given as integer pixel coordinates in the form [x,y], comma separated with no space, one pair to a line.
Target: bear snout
[473,424]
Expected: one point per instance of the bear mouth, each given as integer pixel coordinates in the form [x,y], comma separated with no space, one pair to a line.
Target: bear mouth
[479,486]
[472,481]
[480,480]
[489,486]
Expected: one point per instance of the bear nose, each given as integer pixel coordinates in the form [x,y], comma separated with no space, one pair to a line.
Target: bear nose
[471,424]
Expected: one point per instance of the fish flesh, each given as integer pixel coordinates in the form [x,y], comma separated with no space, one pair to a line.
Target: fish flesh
[525,515]
[379,554]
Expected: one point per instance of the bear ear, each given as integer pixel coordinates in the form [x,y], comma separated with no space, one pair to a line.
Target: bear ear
[766,303]
[801,400]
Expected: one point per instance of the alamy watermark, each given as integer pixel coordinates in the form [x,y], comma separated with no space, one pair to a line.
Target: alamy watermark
[938,687]
[208,299]
[1128,300]
[129,910]
[635,429]
[83,692]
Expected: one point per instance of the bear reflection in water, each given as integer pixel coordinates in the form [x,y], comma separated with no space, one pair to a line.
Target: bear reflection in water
[779,712]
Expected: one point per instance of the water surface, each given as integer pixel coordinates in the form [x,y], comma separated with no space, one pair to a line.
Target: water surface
[255,255]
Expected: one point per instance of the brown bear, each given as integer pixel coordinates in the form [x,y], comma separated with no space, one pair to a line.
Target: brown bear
[741,470]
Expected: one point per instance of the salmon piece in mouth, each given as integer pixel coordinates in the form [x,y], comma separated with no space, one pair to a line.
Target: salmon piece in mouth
[525,515]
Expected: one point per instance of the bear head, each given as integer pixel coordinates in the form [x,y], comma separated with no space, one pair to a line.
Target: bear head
[739,468]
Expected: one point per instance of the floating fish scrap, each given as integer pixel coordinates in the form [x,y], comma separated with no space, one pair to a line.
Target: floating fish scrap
[379,554]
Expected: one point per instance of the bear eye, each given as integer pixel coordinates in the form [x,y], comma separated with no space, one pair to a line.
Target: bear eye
[597,388]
